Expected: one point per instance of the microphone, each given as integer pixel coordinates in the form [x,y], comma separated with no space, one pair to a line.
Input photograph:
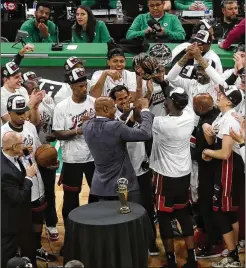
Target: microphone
[57,46]
[27,156]
[156,27]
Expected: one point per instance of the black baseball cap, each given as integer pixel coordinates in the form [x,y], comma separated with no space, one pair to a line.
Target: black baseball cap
[17,104]
[232,93]
[76,75]
[10,69]
[179,97]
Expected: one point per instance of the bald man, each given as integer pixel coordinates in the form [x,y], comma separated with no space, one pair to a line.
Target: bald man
[106,139]
[204,107]
[16,184]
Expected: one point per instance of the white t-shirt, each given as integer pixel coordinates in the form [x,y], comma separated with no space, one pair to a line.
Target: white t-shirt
[46,110]
[67,114]
[222,125]
[157,99]
[128,80]
[170,154]
[136,150]
[5,94]
[30,137]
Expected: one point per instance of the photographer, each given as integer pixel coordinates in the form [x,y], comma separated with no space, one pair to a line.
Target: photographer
[156,24]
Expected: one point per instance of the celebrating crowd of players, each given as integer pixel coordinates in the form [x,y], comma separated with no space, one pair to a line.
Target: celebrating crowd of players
[195,153]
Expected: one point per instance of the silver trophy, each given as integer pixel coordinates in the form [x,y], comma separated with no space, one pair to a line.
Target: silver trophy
[123,195]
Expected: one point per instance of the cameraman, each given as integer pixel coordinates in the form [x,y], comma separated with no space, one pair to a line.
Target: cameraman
[156,24]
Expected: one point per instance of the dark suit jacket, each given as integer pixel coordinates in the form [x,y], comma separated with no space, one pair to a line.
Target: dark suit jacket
[15,198]
[106,139]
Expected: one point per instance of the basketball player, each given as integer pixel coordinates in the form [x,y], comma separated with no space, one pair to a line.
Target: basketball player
[57,90]
[46,110]
[229,171]
[171,162]
[103,81]
[138,156]
[12,86]
[17,107]
[77,159]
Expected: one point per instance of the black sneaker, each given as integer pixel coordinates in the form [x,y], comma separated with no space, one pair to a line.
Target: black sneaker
[43,255]
[209,252]
[154,250]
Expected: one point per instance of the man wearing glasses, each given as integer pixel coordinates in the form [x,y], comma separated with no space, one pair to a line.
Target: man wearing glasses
[156,24]
[16,184]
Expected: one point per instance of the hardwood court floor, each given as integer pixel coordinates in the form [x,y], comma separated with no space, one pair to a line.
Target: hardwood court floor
[154,262]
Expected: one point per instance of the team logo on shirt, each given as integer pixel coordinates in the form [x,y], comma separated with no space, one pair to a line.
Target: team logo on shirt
[76,120]
[45,118]
[157,98]
[28,140]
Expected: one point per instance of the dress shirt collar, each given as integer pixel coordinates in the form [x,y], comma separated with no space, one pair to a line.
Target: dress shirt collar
[12,159]
[102,117]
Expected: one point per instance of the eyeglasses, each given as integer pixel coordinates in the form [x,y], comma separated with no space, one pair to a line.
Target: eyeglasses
[155,5]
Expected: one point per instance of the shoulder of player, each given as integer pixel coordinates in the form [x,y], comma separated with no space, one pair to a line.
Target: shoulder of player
[97,73]
[60,106]
[30,126]
[91,99]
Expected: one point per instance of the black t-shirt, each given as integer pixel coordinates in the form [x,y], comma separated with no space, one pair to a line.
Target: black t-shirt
[201,142]
[227,27]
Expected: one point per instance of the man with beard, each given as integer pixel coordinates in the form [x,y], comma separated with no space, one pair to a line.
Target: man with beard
[230,12]
[40,29]
[77,158]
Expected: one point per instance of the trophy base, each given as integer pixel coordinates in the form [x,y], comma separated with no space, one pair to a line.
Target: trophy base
[124,210]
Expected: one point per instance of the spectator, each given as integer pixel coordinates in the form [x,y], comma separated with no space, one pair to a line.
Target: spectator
[193,5]
[40,29]
[171,27]
[235,35]
[230,12]
[87,29]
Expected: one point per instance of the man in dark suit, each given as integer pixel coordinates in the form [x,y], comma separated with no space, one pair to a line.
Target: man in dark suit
[106,139]
[16,184]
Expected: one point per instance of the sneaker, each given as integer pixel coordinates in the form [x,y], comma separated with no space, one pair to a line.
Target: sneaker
[226,262]
[43,255]
[209,252]
[154,250]
[241,246]
[52,233]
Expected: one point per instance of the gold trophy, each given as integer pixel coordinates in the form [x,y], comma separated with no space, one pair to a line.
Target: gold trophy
[123,195]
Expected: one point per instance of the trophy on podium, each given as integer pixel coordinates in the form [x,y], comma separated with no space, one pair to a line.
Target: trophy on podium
[123,195]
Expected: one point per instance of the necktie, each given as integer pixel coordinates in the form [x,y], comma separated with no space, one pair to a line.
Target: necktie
[23,170]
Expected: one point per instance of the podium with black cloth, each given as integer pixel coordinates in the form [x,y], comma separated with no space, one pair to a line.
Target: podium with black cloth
[99,236]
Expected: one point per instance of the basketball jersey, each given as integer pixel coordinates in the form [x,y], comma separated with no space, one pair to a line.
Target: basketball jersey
[67,115]
[29,138]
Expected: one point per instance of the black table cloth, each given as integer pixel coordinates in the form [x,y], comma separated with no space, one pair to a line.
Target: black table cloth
[100,237]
